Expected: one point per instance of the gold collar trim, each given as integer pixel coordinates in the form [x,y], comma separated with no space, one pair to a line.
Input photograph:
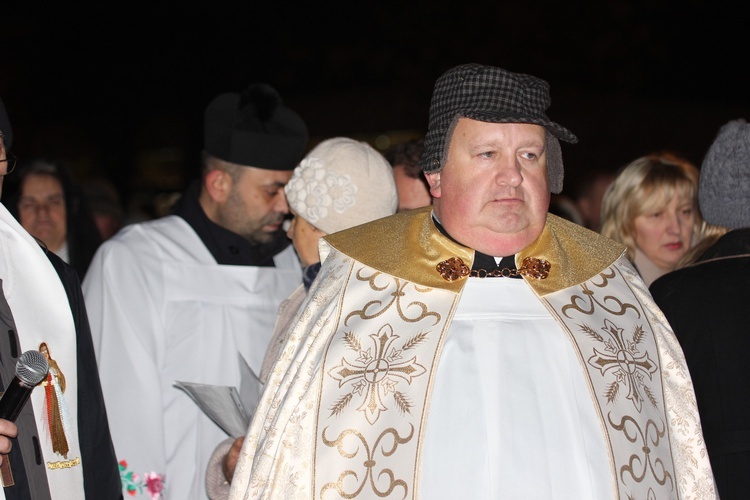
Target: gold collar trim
[409,246]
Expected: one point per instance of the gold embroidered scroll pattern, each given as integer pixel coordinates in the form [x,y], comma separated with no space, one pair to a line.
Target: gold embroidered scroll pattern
[587,304]
[621,352]
[376,372]
[375,308]
[375,480]
[620,357]
[639,466]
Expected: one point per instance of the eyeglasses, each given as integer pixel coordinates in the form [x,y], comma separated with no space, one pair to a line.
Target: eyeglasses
[10,161]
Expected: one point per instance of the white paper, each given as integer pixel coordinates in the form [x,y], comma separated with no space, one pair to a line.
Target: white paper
[232,410]
[251,388]
[221,404]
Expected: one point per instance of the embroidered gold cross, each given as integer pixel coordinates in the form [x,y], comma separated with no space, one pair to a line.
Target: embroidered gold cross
[628,364]
[373,376]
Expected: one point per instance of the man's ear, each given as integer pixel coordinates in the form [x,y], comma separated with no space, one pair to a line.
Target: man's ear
[433,179]
[218,185]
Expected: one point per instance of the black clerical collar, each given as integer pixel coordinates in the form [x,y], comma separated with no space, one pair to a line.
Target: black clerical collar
[482,261]
[227,248]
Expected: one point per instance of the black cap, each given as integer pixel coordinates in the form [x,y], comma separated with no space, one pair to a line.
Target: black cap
[5,127]
[255,129]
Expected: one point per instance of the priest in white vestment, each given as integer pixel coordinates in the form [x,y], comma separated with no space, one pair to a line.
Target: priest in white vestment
[480,348]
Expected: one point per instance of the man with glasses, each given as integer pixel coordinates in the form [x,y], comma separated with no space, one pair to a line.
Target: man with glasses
[59,446]
[8,162]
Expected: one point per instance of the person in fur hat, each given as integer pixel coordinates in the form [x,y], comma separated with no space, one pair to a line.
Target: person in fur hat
[706,303]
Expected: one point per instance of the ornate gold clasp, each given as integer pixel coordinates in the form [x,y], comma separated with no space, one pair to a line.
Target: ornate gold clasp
[452,269]
[535,268]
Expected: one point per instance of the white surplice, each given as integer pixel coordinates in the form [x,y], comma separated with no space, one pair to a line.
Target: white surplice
[510,412]
[162,310]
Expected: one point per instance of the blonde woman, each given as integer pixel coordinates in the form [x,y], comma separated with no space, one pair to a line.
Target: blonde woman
[652,207]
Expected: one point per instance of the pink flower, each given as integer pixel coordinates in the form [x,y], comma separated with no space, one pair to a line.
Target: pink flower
[154,485]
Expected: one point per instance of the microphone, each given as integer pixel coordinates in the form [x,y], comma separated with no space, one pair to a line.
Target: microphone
[31,368]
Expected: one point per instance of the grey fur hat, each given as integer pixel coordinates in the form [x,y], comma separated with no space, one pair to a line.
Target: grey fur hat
[724,189]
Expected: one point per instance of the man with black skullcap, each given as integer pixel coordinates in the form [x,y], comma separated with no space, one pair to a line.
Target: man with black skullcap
[479,348]
[181,297]
[62,447]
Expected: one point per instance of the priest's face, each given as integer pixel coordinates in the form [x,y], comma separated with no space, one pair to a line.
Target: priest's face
[256,205]
[492,194]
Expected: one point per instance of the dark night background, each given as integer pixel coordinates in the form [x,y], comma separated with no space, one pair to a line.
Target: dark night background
[118,89]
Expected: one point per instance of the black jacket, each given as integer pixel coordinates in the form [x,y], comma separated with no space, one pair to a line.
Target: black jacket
[706,305]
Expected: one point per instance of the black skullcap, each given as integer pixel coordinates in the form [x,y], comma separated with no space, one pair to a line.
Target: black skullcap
[5,127]
[494,95]
[255,129]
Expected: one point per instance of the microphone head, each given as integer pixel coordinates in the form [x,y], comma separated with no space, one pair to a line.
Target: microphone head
[31,367]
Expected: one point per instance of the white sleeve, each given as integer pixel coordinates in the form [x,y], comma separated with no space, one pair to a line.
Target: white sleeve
[123,291]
